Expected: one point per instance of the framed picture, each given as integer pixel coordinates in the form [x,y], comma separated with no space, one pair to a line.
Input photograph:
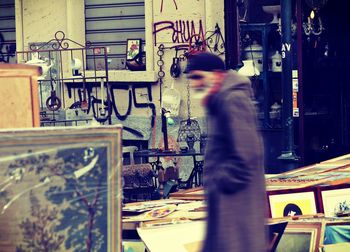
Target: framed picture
[336,232]
[133,47]
[275,234]
[335,199]
[292,203]
[196,193]
[60,189]
[301,237]
[338,247]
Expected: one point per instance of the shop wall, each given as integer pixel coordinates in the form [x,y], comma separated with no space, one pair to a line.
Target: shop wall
[201,16]
[38,20]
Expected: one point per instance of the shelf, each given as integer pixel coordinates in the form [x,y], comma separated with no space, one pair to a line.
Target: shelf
[257,26]
[78,79]
[264,88]
[126,75]
[113,76]
[316,114]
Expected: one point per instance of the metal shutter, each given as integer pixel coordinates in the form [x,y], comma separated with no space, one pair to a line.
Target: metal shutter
[7,31]
[110,23]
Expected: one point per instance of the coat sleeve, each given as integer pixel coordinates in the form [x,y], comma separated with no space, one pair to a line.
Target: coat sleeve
[238,118]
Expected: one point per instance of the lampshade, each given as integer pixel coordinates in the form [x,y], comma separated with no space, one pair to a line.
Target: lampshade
[249,69]
[189,127]
[76,64]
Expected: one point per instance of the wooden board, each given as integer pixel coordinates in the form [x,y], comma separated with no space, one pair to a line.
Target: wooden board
[19,98]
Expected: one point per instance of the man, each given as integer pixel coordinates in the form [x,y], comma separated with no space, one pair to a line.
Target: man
[233,165]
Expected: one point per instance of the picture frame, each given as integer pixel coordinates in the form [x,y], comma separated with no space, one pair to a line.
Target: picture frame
[133,48]
[292,202]
[335,199]
[196,193]
[336,232]
[276,230]
[322,173]
[302,236]
[61,188]
[338,247]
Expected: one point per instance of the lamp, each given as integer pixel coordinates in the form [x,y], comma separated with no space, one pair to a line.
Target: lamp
[45,65]
[249,69]
[189,132]
[314,25]
[275,10]
[76,65]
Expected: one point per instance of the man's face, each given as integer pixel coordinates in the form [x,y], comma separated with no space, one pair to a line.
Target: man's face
[201,82]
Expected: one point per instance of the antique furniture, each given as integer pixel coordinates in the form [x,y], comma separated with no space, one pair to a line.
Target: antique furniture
[195,178]
[139,179]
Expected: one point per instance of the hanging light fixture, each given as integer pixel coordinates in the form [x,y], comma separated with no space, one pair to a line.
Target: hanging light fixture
[314,25]
[189,130]
[76,65]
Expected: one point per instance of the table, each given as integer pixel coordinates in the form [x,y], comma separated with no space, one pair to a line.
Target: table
[132,221]
[196,176]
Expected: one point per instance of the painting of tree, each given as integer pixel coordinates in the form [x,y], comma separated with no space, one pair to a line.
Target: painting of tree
[38,231]
[85,199]
[60,190]
[83,172]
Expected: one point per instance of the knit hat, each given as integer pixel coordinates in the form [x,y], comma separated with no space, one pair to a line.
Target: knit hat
[204,61]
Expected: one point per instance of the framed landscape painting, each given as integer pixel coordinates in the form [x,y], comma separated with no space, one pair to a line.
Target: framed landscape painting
[60,189]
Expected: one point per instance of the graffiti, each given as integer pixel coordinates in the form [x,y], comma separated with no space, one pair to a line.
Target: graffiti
[161,5]
[182,30]
[9,52]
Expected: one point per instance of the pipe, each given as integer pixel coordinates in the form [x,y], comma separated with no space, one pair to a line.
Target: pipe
[288,153]
[231,34]
[300,81]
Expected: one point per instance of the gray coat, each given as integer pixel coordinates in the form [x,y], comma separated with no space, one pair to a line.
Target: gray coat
[234,171]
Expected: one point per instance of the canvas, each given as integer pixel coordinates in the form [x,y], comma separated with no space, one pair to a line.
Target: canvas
[60,189]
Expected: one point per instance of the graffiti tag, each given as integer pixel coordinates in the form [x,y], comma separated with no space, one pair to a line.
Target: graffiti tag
[161,5]
[182,30]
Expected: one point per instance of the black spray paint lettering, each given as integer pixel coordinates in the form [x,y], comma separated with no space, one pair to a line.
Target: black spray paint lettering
[285,47]
[183,30]
[162,2]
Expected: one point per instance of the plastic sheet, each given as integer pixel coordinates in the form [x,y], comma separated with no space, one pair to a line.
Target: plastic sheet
[60,189]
